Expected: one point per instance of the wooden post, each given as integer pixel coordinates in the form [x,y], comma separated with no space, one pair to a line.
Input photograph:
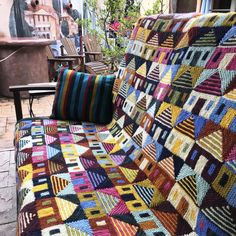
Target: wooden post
[174,6]
[70,65]
[198,7]
[233,5]
[82,63]
[171,6]
[62,50]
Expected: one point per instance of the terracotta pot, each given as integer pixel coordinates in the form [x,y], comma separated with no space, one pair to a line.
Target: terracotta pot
[68,6]
[34,3]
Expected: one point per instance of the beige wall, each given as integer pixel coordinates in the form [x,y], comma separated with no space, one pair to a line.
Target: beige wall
[5,8]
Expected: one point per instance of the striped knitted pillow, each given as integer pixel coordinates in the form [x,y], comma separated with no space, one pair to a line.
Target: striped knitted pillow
[83,97]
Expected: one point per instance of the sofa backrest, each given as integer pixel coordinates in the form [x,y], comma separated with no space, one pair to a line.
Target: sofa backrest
[175,107]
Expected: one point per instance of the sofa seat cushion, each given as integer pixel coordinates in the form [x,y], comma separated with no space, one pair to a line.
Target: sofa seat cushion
[72,178]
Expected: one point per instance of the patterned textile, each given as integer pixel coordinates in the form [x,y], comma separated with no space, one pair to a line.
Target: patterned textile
[83,97]
[165,165]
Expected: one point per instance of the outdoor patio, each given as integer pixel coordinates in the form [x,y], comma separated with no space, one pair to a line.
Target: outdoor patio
[42,107]
[163,161]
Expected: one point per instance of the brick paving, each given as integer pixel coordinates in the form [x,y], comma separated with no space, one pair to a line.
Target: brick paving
[41,107]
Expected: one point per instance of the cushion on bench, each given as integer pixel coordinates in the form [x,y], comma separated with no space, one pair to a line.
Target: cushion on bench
[166,163]
[83,97]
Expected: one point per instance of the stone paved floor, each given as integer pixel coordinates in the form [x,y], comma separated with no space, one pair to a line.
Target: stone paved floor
[41,107]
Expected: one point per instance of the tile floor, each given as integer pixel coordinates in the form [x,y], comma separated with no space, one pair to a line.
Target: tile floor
[42,107]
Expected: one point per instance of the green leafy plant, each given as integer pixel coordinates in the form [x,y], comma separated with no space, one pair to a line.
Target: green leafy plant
[123,13]
[156,8]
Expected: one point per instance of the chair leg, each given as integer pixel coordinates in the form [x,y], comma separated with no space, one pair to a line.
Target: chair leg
[31,100]
[82,64]
[51,70]
[70,65]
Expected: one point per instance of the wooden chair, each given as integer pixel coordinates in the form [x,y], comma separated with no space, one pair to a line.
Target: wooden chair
[93,50]
[47,88]
[53,60]
[94,65]
[71,51]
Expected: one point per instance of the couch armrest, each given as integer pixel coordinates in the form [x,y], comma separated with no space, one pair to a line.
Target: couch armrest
[79,57]
[71,56]
[58,59]
[93,53]
[61,59]
[19,88]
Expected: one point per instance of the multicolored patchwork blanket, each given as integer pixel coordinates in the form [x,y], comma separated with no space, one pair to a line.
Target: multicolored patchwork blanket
[165,165]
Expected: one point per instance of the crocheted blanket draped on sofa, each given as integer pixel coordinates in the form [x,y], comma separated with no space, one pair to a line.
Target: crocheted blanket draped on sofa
[166,163]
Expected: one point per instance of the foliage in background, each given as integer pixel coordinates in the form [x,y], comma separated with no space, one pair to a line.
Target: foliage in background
[156,8]
[126,12]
